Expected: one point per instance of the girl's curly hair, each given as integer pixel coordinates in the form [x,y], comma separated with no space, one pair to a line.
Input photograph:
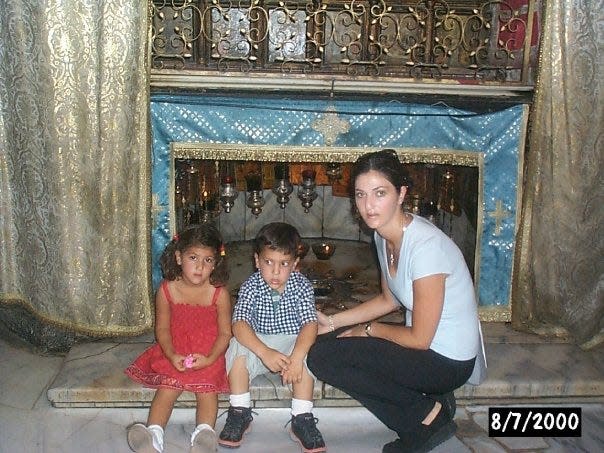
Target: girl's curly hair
[204,235]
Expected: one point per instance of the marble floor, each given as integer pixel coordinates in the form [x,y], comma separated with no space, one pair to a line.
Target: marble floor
[30,423]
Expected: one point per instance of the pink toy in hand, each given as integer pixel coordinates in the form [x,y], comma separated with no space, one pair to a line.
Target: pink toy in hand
[188,362]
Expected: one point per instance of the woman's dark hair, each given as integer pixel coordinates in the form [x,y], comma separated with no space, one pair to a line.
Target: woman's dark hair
[278,236]
[204,235]
[386,162]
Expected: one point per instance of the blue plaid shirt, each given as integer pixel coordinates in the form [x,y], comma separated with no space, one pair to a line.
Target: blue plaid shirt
[296,306]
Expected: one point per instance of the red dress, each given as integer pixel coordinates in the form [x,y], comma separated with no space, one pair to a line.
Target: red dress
[194,328]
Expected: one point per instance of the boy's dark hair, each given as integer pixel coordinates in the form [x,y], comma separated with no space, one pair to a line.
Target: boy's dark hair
[278,236]
[386,162]
[204,235]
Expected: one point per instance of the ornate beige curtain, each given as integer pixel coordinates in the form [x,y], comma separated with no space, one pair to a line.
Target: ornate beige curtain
[74,167]
[559,284]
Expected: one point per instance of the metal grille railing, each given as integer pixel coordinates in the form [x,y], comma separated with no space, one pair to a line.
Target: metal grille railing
[480,42]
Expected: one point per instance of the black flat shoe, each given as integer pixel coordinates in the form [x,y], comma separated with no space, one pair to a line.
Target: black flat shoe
[447,400]
[440,436]
[395,446]
[449,403]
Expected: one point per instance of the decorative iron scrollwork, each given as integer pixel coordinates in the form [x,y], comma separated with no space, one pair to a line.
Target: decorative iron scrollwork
[437,39]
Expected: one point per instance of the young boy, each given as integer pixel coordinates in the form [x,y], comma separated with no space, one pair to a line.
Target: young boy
[274,326]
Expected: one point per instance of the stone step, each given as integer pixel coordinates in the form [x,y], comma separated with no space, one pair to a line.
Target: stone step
[522,368]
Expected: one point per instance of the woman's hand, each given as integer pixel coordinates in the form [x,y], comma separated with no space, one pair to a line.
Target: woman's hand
[324,325]
[356,331]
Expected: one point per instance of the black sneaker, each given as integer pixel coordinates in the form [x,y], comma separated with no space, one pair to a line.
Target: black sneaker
[304,430]
[237,424]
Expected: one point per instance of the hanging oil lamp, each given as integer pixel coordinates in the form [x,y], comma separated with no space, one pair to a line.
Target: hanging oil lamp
[228,193]
[255,199]
[282,187]
[307,191]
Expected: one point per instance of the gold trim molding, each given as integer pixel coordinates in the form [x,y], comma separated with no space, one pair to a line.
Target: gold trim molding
[12,300]
[495,314]
[273,153]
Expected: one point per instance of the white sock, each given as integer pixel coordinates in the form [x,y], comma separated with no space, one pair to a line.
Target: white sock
[158,437]
[242,400]
[301,406]
[199,428]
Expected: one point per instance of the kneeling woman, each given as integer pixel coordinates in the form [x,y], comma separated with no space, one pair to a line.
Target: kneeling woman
[404,374]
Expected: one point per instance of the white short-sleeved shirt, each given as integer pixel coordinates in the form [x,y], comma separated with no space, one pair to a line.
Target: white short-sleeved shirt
[425,251]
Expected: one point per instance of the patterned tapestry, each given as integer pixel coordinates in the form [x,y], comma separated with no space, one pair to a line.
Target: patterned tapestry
[559,285]
[74,169]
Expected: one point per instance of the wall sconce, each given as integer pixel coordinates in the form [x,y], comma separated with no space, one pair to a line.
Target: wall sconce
[447,199]
[333,171]
[209,207]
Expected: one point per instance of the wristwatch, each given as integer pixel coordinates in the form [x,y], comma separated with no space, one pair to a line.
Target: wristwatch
[368,329]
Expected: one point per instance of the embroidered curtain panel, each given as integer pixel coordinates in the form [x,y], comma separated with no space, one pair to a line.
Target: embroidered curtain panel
[74,167]
[560,248]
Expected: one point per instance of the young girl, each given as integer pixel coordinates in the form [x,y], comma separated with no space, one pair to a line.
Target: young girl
[193,329]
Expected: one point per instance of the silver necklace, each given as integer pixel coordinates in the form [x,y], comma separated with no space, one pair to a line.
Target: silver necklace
[391,257]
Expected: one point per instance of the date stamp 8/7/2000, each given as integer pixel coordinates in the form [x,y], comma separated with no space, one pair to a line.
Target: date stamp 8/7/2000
[507,421]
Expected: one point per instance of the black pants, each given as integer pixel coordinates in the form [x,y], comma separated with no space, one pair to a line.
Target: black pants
[398,385]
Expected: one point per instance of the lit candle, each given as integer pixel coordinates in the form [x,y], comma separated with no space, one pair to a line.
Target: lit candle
[323,250]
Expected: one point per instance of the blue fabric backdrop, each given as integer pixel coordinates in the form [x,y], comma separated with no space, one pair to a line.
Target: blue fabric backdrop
[268,121]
